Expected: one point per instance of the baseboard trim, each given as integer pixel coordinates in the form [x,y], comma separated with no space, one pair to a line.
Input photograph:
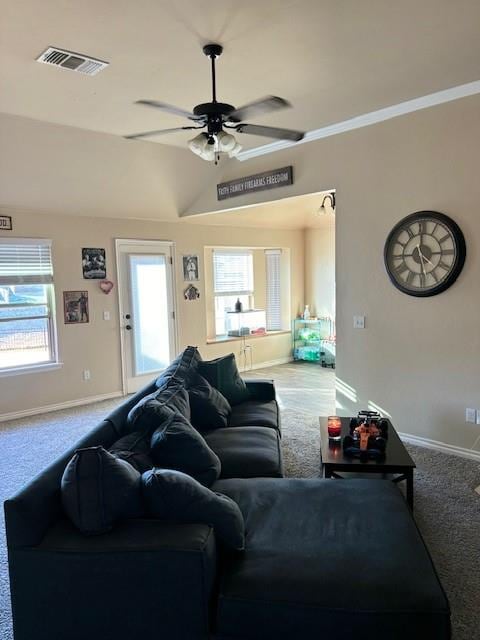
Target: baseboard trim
[14,415]
[441,446]
[268,363]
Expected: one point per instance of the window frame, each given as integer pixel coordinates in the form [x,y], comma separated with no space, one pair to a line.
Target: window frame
[50,315]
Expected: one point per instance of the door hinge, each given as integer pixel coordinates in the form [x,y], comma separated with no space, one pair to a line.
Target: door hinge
[173,315]
[170,259]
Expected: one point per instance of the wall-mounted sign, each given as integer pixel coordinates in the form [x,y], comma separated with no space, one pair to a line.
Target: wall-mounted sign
[5,223]
[258,182]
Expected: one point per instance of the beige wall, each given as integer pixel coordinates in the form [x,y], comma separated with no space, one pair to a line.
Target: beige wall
[320,267]
[96,346]
[418,358]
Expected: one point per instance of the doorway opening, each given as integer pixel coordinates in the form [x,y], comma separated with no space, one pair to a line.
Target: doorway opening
[295,286]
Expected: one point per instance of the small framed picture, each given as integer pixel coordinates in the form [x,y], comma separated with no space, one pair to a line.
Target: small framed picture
[94,264]
[75,307]
[6,223]
[190,268]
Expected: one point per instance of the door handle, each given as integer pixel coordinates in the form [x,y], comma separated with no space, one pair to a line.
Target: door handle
[128,316]
[128,327]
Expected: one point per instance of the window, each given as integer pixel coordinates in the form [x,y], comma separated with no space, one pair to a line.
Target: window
[27,318]
[273,293]
[232,280]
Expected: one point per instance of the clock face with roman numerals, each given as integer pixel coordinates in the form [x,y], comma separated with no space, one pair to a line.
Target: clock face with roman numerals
[425,253]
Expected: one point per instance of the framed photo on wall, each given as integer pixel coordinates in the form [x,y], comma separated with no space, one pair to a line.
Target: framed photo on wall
[75,307]
[190,268]
[94,264]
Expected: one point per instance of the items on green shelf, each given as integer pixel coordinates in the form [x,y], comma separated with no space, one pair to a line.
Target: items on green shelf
[314,340]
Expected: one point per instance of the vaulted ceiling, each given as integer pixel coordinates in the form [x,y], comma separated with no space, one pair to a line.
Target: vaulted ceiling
[332,59]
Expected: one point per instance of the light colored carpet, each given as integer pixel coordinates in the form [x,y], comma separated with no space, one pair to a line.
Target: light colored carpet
[447,509]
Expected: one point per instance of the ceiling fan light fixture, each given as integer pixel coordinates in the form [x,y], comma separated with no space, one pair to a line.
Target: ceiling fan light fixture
[226,142]
[235,151]
[198,144]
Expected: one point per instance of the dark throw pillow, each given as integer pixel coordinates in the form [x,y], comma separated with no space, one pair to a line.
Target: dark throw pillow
[209,408]
[149,413]
[98,489]
[222,374]
[135,449]
[176,497]
[177,445]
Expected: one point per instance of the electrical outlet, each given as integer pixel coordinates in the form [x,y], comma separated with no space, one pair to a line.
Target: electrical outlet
[86,374]
[470,415]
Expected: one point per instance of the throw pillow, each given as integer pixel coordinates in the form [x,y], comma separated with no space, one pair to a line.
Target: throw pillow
[222,374]
[135,449]
[177,445]
[97,489]
[176,497]
[149,413]
[209,408]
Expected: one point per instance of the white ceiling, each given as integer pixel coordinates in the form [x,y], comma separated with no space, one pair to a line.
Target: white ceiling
[298,212]
[332,59]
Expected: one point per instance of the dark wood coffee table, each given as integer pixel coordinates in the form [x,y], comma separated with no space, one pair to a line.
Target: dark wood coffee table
[396,463]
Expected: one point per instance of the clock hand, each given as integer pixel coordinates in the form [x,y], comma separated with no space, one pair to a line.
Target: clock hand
[422,256]
[421,260]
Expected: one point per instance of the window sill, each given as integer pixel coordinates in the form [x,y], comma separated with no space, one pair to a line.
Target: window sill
[34,368]
[220,339]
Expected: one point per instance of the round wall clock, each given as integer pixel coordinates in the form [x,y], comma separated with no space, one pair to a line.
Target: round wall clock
[425,253]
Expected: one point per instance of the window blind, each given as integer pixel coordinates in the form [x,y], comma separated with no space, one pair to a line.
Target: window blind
[25,261]
[232,272]
[273,293]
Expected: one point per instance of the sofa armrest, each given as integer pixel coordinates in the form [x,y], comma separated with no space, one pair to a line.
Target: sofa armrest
[263,390]
[145,578]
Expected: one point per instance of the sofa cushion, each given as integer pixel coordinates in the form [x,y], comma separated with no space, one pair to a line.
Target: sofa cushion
[176,497]
[223,374]
[177,445]
[255,413]
[135,449]
[339,558]
[181,368]
[250,452]
[209,408]
[97,489]
[149,413]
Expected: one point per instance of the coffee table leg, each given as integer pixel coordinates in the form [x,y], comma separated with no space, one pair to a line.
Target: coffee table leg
[409,476]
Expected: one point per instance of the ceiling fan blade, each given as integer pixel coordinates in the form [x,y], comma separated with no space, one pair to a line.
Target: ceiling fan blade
[257,108]
[270,132]
[145,134]
[177,111]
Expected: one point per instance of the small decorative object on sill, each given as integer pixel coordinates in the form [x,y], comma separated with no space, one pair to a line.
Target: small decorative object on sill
[106,286]
[238,306]
[191,293]
[306,313]
[334,427]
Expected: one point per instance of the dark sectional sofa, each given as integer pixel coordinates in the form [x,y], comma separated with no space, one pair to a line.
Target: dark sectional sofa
[323,558]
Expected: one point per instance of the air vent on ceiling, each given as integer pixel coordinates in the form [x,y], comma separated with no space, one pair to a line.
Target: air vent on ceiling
[73,61]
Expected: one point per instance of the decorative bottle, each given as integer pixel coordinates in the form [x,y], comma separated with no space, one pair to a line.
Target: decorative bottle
[238,306]
[306,313]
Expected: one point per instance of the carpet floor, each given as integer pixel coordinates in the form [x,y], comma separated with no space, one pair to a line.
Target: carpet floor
[447,509]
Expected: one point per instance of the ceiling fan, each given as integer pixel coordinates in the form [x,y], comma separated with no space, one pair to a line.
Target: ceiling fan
[218,116]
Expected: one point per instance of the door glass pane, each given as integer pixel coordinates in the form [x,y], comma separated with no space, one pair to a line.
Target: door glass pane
[150,322]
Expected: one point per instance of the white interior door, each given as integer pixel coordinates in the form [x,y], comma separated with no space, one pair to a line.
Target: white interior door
[147,309]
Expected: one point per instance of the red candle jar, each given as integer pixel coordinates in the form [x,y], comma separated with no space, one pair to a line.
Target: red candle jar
[334,427]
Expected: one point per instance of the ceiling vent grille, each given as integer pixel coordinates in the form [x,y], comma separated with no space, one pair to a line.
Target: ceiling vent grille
[73,61]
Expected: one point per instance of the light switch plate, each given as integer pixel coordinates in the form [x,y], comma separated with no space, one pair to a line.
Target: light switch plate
[359,322]
[106,315]
[470,415]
